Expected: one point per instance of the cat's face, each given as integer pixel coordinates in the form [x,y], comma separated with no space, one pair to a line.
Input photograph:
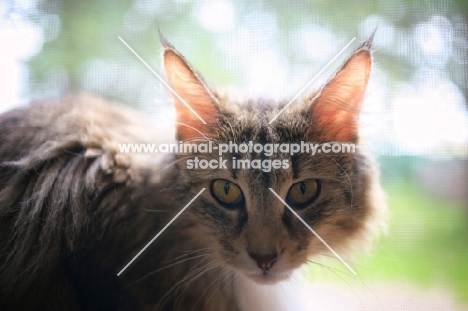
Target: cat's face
[239,218]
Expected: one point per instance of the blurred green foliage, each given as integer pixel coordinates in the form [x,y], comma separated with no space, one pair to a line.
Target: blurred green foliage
[427,240]
[88,30]
[426,244]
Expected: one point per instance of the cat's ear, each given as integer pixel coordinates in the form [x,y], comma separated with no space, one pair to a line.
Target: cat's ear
[337,107]
[197,109]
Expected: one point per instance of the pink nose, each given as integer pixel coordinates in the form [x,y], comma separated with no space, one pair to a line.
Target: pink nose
[264,261]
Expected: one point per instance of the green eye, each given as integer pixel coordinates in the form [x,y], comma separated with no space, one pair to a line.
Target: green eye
[226,192]
[303,193]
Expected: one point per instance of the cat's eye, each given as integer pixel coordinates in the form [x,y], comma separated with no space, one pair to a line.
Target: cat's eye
[227,193]
[303,193]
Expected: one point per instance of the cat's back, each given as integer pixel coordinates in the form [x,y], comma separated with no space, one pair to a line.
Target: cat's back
[61,179]
[80,118]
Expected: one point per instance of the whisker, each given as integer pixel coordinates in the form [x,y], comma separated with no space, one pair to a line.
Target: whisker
[354,277]
[195,272]
[184,286]
[166,267]
[190,252]
[349,180]
[206,289]
[191,127]
[335,272]
[223,280]
[330,268]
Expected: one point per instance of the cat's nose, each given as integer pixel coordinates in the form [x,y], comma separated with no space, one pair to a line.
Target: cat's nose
[264,261]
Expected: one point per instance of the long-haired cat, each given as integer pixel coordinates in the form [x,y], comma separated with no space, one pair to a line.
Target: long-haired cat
[74,210]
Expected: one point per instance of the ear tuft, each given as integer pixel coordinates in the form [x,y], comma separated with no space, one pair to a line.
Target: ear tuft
[165,43]
[368,43]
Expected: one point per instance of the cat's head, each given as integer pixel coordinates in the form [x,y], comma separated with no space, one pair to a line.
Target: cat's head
[239,218]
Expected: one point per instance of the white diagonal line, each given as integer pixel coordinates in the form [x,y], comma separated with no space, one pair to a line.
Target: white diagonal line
[162,80]
[160,232]
[311,81]
[315,233]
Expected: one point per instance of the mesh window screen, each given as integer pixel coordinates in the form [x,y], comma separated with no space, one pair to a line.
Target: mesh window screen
[415,112]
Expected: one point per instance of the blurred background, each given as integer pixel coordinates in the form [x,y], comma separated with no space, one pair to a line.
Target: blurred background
[415,115]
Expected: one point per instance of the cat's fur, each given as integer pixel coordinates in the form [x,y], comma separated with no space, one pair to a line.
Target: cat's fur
[74,211]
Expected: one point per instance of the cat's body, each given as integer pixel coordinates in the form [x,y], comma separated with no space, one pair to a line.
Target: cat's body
[74,210]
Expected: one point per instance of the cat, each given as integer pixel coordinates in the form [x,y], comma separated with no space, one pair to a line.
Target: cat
[74,210]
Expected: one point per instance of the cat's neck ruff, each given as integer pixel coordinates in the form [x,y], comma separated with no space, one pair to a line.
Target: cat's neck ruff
[294,294]
[281,296]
